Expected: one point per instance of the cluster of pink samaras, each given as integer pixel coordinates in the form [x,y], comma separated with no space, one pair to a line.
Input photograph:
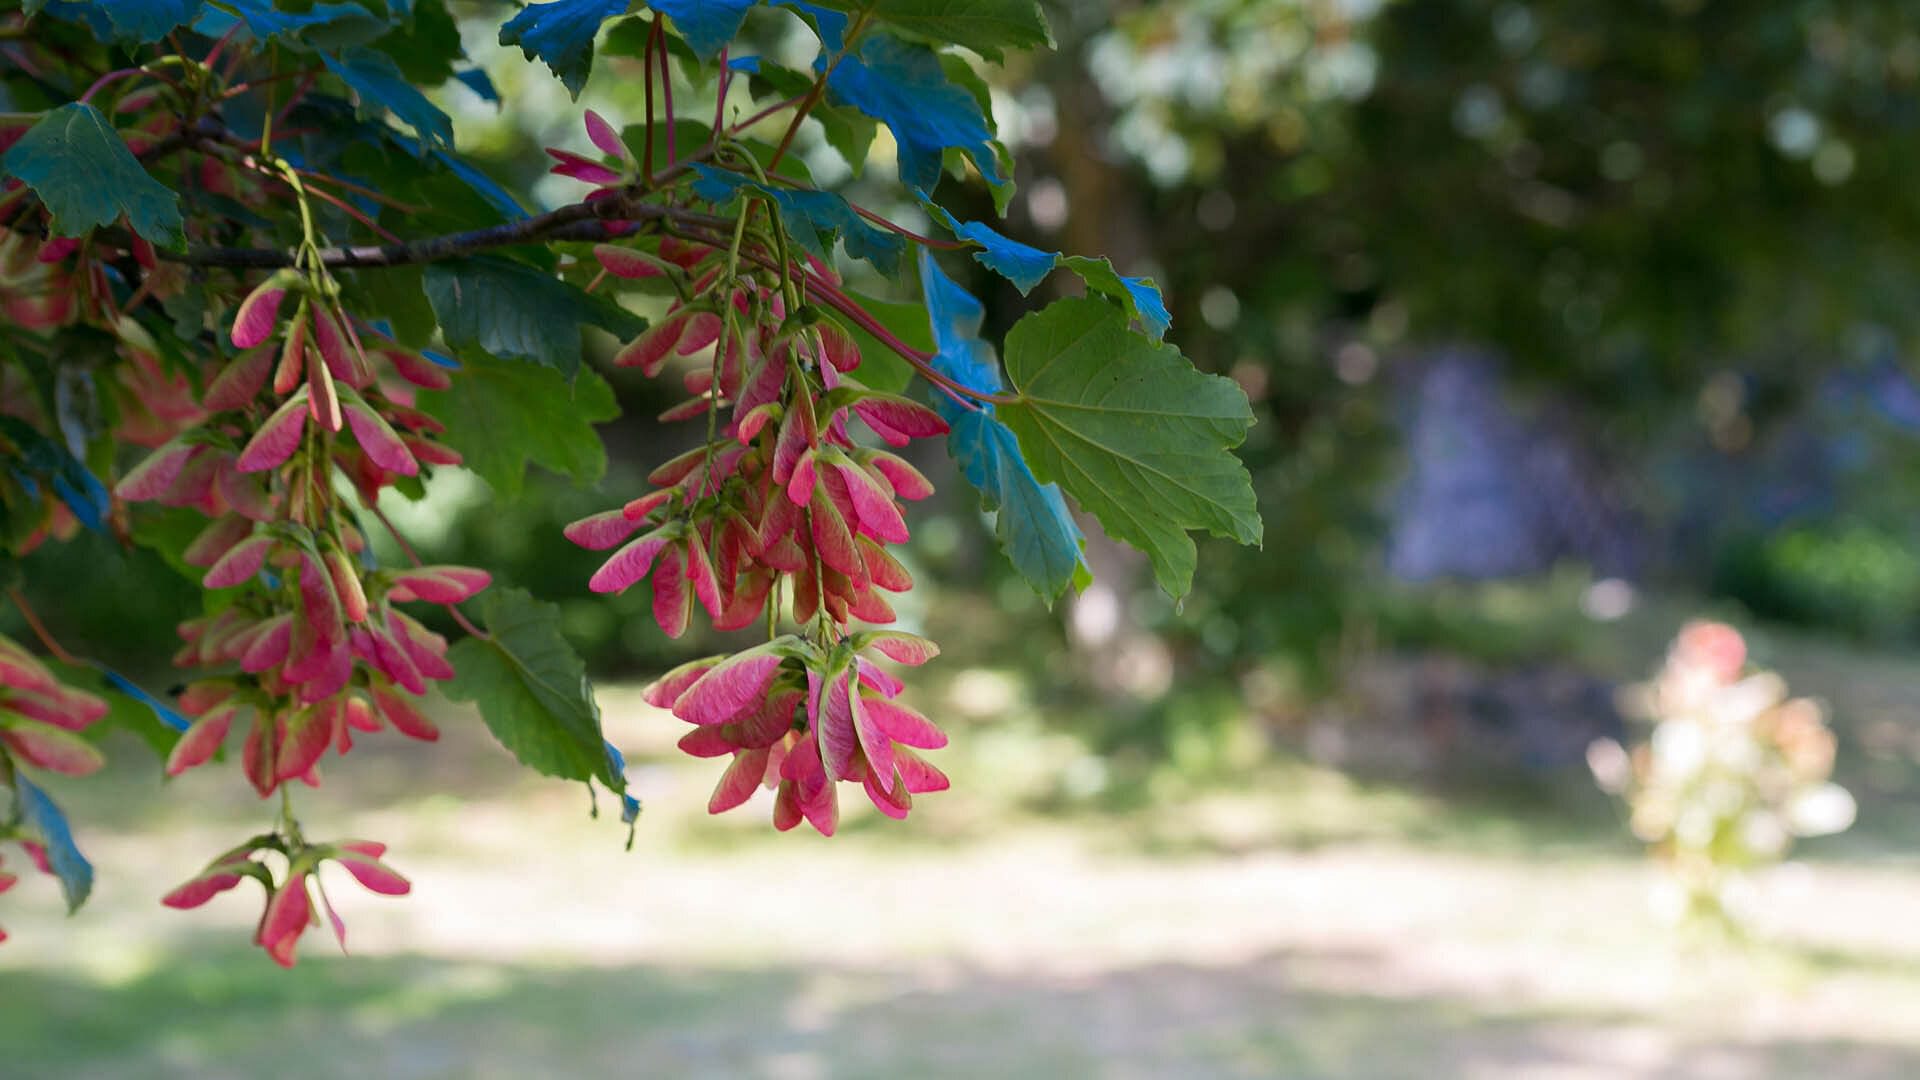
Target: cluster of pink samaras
[781,493]
[797,716]
[313,646]
[290,909]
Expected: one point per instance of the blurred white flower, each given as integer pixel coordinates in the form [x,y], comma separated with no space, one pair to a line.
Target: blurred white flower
[1732,773]
[1821,811]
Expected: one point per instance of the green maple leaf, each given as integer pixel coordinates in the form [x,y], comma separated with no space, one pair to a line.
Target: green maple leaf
[86,176]
[503,415]
[532,689]
[1131,431]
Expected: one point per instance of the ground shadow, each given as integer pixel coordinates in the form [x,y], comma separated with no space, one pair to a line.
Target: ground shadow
[218,1011]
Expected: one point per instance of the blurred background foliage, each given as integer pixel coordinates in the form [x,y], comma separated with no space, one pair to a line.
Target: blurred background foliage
[1549,311]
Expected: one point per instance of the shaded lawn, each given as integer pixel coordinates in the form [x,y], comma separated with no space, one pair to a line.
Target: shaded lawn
[1285,920]
[213,1011]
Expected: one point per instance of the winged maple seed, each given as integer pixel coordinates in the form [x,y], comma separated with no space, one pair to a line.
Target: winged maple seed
[41,718]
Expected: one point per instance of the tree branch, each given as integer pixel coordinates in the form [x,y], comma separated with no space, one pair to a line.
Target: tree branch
[587,221]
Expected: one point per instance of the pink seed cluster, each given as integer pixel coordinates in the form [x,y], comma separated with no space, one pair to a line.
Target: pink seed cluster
[781,509]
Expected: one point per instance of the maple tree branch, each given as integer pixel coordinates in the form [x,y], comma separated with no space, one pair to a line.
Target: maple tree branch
[586,221]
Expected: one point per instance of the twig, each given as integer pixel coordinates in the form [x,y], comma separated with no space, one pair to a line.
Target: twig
[580,221]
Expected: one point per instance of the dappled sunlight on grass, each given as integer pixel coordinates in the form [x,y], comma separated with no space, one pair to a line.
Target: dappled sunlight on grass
[1239,913]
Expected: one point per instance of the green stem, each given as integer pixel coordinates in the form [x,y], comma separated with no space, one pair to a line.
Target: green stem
[289,825]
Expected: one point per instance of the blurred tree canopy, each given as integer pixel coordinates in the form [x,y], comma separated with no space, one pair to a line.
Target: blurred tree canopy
[1673,220]
[1681,217]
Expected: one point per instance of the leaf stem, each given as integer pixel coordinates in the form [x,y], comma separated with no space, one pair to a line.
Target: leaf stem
[820,86]
[646,65]
[40,631]
[920,361]
[666,96]
[213,54]
[766,112]
[414,557]
[109,78]
[720,98]
[239,88]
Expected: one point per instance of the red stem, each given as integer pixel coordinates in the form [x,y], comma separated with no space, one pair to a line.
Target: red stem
[883,221]
[357,189]
[353,212]
[666,96]
[766,112]
[720,98]
[793,128]
[819,88]
[40,629]
[414,556]
[345,207]
[886,223]
[213,54]
[280,117]
[110,77]
[646,65]
[920,361]
[239,88]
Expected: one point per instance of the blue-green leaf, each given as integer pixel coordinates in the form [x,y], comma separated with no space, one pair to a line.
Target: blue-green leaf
[904,87]
[478,81]
[82,170]
[162,712]
[1019,263]
[1027,266]
[380,84]
[85,12]
[40,814]
[483,185]
[43,459]
[1032,522]
[562,33]
[705,24]
[811,217]
[1138,295]
[985,26]
[323,25]
[150,20]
